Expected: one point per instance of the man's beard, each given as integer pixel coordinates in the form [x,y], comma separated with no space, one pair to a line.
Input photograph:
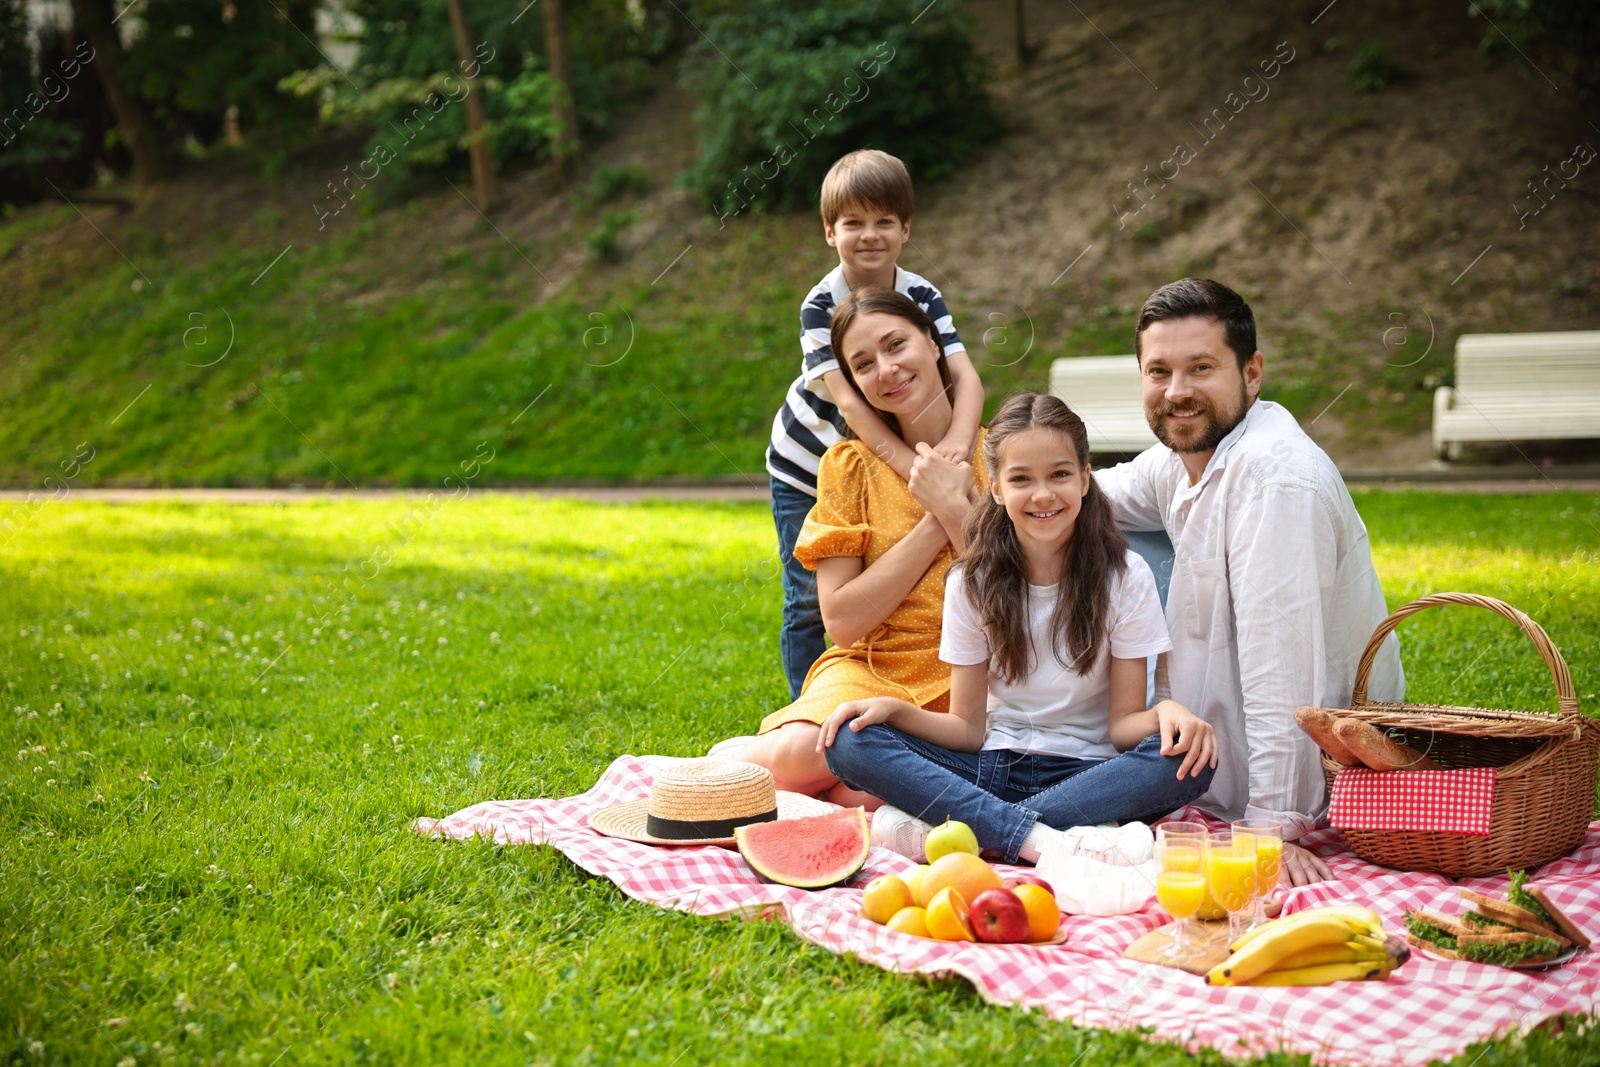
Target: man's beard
[1212,426]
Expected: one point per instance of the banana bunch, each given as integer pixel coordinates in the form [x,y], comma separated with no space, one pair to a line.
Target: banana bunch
[1333,944]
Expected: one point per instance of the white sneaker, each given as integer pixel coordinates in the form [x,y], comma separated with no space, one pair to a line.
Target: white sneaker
[1127,845]
[730,748]
[898,832]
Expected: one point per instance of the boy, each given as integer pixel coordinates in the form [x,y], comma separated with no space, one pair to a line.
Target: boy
[867,205]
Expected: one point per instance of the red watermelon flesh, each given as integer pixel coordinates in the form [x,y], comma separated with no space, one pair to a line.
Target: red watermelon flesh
[809,853]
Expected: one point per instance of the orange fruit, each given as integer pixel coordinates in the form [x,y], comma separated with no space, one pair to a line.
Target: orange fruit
[913,881]
[884,896]
[947,915]
[961,871]
[912,920]
[1044,917]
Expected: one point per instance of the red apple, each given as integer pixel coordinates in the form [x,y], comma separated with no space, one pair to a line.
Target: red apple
[1026,878]
[999,917]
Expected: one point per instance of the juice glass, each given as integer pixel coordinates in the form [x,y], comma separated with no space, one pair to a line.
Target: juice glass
[1268,837]
[1231,874]
[1181,883]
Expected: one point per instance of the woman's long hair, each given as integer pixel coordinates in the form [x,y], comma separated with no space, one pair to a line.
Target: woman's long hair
[870,300]
[995,576]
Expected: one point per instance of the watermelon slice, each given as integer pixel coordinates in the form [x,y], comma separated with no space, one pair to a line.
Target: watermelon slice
[809,853]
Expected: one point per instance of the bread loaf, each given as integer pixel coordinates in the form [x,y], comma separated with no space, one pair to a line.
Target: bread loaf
[1375,750]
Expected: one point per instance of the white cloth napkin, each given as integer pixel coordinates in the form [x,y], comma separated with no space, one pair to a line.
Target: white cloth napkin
[1085,886]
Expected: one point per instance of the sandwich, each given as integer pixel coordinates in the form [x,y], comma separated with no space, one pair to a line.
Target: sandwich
[1525,928]
[1453,940]
[1531,898]
[1490,916]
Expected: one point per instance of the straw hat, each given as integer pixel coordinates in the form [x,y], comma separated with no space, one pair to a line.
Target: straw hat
[700,802]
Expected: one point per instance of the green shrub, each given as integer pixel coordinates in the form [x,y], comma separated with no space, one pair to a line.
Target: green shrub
[602,243]
[790,86]
[1373,71]
[608,183]
[1568,30]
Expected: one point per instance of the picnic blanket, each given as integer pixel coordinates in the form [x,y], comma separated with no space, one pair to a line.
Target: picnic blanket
[1427,1010]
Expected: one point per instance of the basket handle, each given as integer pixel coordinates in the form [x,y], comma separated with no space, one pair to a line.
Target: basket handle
[1566,695]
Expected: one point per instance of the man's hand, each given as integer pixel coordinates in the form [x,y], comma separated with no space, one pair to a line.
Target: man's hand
[1303,866]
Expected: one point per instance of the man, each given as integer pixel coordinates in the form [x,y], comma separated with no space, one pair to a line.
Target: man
[1272,596]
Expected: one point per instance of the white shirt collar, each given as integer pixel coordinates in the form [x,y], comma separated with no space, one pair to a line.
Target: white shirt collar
[1219,458]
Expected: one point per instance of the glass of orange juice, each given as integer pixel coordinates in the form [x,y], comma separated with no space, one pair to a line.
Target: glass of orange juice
[1181,883]
[1268,837]
[1231,874]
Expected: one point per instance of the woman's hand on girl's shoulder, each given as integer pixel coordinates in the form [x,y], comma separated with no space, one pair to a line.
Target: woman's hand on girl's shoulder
[1184,732]
[866,712]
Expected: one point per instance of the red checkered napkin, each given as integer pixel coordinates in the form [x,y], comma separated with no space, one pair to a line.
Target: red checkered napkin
[1444,802]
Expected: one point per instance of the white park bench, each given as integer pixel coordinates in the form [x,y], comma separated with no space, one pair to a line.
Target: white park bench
[1105,392]
[1519,387]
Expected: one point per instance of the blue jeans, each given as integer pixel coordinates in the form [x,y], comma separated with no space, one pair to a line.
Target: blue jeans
[1001,794]
[802,639]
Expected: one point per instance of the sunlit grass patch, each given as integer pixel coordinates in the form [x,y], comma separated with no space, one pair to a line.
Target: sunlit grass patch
[220,721]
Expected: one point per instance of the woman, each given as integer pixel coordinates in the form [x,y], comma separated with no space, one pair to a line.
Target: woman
[880,546]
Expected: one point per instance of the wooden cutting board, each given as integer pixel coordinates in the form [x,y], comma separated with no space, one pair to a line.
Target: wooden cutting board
[1210,937]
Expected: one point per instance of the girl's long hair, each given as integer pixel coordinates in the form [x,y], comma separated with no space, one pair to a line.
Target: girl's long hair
[869,300]
[995,577]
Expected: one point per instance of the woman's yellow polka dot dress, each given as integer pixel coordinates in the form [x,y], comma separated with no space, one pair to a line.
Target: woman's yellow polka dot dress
[863,509]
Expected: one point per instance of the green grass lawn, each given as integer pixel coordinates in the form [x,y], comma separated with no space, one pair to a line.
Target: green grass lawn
[224,720]
[381,355]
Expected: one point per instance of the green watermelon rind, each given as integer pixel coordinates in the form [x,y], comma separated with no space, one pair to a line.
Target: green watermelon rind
[750,839]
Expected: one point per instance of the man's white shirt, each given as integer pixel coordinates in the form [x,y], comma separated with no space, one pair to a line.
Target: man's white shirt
[1272,600]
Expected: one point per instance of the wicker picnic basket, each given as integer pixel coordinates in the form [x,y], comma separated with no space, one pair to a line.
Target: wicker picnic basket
[1544,790]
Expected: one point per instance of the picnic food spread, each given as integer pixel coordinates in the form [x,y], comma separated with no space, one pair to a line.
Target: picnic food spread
[1524,930]
[959,897]
[1332,944]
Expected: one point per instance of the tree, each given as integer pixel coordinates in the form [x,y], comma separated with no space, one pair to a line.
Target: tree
[482,175]
[145,144]
[564,145]
[1019,19]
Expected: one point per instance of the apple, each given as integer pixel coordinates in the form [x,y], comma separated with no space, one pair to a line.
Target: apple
[1028,878]
[951,837]
[998,916]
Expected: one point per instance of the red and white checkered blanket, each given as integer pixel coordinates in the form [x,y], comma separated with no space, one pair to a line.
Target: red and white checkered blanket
[1429,1009]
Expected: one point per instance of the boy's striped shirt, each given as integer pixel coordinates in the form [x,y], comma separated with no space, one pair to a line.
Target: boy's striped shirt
[809,421]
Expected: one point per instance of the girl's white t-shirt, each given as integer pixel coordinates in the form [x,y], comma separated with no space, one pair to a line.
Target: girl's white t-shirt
[1054,711]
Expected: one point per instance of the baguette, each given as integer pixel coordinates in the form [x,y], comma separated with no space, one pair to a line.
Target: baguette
[1318,724]
[1566,926]
[1377,751]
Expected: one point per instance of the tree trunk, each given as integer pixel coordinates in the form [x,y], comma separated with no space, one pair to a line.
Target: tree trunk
[94,19]
[1019,19]
[565,144]
[482,174]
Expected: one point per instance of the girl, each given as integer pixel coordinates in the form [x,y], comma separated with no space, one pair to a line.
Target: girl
[880,544]
[1048,622]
